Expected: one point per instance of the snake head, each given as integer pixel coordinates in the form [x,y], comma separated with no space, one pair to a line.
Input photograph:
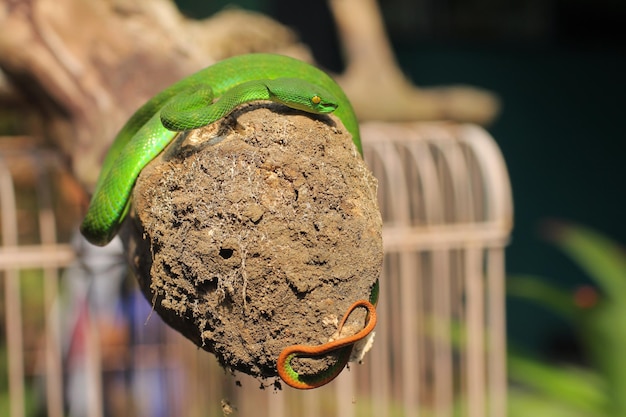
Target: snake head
[323,102]
[302,95]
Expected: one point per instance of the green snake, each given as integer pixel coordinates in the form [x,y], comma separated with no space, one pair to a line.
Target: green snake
[199,100]
[184,106]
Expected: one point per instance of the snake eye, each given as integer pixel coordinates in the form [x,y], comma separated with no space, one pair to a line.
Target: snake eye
[316,99]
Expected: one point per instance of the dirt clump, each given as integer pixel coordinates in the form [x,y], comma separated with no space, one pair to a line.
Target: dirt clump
[256,233]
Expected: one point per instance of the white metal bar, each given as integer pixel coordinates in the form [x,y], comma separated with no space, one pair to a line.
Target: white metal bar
[497,385]
[445,236]
[36,256]
[476,353]
[14,323]
[53,359]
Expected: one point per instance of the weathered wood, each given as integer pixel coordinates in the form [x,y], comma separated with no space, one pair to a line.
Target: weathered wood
[378,88]
[86,65]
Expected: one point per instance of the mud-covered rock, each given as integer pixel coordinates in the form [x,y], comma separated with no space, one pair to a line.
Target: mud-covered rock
[256,233]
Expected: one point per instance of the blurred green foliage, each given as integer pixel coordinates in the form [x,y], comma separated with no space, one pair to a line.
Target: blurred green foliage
[598,316]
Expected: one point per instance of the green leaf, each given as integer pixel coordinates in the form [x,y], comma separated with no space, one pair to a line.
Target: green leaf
[525,404]
[542,292]
[575,387]
[600,257]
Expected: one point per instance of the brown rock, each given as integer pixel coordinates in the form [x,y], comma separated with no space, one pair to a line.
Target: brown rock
[256,233]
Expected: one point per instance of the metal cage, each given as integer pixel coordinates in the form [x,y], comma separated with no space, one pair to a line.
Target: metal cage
[439,350]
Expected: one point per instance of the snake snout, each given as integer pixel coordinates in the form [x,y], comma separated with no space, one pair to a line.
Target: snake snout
[327,106]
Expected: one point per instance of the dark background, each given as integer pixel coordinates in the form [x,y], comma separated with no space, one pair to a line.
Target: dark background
[559,68]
